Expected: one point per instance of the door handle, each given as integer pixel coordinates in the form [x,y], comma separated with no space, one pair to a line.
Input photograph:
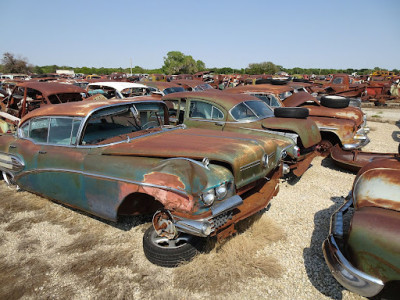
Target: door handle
[42,152]
[219,123]
[12,147]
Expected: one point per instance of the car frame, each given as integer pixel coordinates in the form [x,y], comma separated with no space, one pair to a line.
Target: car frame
[301,132]
[113,158]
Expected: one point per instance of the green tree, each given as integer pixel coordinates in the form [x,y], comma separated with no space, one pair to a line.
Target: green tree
[12,64]
[262,68]
[178,63]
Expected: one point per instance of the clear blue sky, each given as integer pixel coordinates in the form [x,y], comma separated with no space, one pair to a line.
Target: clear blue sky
[325,34]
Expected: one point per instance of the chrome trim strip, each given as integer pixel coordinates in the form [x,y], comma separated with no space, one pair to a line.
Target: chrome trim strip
[250,165]
[327,128]
[191,160]
[167,188]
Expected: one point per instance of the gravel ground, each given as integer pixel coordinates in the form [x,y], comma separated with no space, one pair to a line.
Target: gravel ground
[50,251]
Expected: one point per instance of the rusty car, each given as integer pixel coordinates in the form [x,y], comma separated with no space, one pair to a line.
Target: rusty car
[114,158]
[29,95]
[116,89]
[337,122]
[364,256]
[247,114]
[163,88]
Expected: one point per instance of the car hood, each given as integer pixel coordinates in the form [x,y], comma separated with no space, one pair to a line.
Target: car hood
[234,149]
[350,113]
[305,128]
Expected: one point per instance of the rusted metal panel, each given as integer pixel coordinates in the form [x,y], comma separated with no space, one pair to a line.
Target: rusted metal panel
[374,242]
[354,160]
[378,184]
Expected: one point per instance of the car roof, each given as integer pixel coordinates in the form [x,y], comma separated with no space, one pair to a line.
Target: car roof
[260,88]
[216,96]
[118,85]
[161,84]
[80,108]
[51,88]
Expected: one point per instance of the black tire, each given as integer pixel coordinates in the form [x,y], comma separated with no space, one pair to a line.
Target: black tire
[291,112]
[335,101]
[161,252]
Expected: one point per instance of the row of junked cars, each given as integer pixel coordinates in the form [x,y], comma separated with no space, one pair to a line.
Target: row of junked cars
[200,160]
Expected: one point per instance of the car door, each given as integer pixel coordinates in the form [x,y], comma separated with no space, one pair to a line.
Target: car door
[59,161]
[203,114]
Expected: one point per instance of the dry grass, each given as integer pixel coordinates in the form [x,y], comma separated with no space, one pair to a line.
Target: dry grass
[19,280]
[237,260]
[55,252]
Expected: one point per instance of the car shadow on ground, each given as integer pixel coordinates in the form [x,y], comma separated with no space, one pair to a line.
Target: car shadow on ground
[396,134]
[329,163]
[316,268]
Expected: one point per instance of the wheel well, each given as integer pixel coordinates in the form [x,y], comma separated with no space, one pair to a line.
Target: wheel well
[138,204]
[330,136]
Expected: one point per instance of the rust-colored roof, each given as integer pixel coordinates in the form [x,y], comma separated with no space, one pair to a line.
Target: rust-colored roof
[228,100]
[161,85]
[191,83]
[79,108]
[50,88]
[260,88]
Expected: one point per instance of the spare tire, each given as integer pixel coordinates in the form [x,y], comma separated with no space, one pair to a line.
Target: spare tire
[291,112]
[335,101]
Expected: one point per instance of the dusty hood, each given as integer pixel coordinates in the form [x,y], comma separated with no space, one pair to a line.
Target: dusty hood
[350,113]
[305,128]
[237,150]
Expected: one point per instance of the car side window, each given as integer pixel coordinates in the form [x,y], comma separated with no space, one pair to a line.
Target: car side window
[39,130]
[63,131]
[337,80]
[203,110]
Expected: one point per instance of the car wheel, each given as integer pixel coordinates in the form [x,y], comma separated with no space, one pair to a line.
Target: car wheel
[170,253]
[324,148]
[291,112]
[335,101]
[9,180]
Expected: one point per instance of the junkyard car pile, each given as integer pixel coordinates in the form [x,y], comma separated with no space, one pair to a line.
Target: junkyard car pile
[200,160]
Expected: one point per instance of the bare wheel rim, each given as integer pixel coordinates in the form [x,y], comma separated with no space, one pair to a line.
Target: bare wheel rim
[165,243]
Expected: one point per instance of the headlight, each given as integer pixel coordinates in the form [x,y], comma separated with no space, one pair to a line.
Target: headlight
[209,197]
[221,191]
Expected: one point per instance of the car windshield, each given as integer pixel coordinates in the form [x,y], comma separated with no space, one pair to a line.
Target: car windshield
[285,95]
[174,89]
[122,120]
[202,87]
[251,111]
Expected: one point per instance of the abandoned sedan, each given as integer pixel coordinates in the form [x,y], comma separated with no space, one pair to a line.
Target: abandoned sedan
[122,158]
[365,258]
[27,96]
[246,114]
[337,122]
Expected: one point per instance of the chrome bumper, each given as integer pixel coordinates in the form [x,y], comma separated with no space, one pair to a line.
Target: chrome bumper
[217,219]
[362,141]
[343,271]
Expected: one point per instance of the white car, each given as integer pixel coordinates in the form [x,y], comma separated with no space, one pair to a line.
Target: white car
[117,89]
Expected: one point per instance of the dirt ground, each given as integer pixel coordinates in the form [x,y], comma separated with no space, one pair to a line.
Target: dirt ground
[51,251]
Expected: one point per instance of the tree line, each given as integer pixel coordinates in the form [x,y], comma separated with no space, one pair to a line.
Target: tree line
[175,63]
